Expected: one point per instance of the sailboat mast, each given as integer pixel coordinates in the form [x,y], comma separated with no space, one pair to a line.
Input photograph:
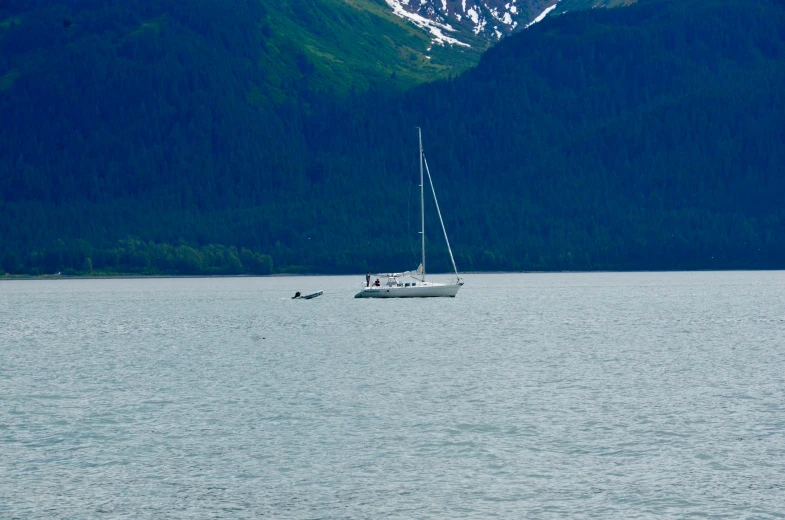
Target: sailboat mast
[422,205]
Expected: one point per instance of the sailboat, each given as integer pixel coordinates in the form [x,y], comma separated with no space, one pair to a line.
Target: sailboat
[417,287]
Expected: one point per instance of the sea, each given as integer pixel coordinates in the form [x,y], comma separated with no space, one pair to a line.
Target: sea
[530,395]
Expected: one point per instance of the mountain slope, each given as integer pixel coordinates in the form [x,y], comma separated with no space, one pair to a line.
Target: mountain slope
[646,137]
[342,44]
[364,40]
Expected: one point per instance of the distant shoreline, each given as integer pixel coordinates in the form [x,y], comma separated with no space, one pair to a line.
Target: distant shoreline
[126,276]
[359,274]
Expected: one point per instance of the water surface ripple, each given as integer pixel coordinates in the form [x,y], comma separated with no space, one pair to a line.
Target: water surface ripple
[610,395]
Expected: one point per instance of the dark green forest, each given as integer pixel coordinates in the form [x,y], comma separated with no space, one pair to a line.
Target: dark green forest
[140,137]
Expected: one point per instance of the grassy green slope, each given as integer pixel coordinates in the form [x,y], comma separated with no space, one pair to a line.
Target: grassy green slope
[356,44]
[338,46]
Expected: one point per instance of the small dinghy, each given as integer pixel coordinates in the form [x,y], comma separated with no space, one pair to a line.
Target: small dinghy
[299,296]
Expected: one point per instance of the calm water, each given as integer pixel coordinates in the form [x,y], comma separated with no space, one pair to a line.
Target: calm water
[635,395]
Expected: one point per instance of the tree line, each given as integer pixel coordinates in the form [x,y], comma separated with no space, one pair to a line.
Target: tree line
[134,256]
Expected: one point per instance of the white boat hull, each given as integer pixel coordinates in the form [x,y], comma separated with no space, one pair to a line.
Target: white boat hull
[427,290]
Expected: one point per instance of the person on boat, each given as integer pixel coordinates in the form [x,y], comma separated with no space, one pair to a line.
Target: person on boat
[377,283]
[296,295]
[368,279]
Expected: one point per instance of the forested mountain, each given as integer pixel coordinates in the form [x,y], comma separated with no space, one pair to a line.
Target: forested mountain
[648,137]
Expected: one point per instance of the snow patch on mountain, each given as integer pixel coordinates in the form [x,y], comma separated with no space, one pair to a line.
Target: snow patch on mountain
[434,27]
[449,22]
[542,16]
[477,19]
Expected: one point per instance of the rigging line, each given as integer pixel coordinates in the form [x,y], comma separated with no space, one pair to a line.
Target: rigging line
[444,230]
